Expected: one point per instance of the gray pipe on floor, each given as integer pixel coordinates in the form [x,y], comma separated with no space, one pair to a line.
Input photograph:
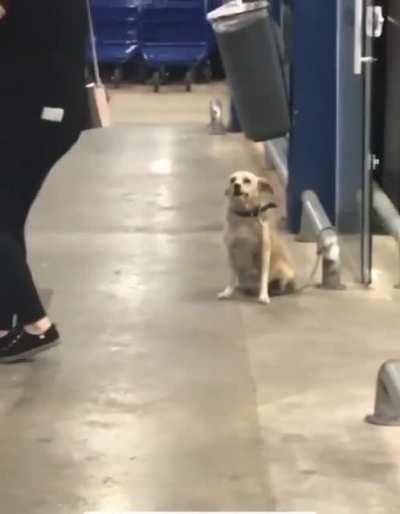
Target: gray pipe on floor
[388,215]
[386,211]
[317,225]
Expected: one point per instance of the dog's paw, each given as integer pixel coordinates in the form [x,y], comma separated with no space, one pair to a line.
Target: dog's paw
[226,294]
[264,299]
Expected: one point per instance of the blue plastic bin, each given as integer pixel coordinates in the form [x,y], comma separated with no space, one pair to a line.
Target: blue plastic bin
[116,26]
[176,34]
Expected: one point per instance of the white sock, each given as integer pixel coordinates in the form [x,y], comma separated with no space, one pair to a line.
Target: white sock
[39,327]
[3,333]
[35,330]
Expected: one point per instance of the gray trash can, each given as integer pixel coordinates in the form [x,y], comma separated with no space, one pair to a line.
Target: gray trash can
[249,50]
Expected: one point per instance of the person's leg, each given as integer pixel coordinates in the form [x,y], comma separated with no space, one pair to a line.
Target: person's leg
[11,230]
[8,313]
[18,190]
[55,142]
[18,292]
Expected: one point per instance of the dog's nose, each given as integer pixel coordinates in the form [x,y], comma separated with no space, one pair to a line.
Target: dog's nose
[237,189]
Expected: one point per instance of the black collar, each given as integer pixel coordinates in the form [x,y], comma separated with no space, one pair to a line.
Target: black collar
[254,213]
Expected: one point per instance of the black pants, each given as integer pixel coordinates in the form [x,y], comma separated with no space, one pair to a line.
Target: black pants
[25,161]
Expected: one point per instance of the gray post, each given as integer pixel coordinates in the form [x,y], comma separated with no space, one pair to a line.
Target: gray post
[277,150]
[387,400]
[388,215]
[216,126]
[316,227]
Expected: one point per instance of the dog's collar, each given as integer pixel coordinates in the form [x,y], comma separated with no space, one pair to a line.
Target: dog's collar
[254,213]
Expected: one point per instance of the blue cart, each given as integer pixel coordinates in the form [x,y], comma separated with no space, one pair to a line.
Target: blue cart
[175,34]
[116,26]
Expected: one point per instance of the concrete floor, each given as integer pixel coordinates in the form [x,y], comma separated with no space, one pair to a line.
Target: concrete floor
[172,105]
[161,398]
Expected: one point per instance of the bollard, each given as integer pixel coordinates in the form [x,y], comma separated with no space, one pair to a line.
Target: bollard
[387,399]
[216,126]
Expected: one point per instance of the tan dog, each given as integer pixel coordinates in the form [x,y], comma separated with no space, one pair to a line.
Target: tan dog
[257,257]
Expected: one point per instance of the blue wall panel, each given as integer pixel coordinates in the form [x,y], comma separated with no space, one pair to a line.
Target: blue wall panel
[313,136]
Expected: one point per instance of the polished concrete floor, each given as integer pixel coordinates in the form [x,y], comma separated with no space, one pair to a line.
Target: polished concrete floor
[161,398]
[172,105]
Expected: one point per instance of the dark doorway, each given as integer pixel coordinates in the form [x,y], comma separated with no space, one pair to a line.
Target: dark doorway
[387,126]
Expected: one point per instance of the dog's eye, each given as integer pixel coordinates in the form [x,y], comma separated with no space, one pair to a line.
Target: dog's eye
[247,181]
[233,180]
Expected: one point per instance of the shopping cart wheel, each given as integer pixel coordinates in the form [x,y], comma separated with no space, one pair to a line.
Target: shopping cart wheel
[117,76]
[156,81]
[189,80]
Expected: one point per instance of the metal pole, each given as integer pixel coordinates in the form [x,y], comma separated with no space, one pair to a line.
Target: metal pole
[317,215]
[316,226]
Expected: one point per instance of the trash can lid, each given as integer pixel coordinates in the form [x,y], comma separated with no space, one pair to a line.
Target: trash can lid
[235,7]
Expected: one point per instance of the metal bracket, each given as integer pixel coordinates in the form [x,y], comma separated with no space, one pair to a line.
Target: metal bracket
[368,60]
[387,399]
[374,25]
[374,162]
[316,227]
[374,21]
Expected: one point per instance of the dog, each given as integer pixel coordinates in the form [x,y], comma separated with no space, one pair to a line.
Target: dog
[258,261]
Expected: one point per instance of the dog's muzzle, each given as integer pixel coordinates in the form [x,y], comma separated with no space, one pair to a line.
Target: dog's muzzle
[237,189]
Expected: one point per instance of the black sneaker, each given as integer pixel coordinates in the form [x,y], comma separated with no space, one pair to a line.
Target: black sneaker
[6,339]
[19,344]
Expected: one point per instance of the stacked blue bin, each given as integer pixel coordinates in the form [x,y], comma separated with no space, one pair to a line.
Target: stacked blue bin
[116,26]
[176,34]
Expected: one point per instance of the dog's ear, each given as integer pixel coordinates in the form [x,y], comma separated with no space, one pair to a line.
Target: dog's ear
[264,186]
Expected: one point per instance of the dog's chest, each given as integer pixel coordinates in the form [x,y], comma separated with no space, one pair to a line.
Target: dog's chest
[245,237]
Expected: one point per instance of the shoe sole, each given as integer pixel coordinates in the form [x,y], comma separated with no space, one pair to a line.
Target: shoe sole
[30,353]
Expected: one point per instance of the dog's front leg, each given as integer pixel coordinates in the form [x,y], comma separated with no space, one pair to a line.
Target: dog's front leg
[265,267]
[230,289]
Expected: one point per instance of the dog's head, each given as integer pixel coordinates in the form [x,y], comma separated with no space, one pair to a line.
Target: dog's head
[246,189]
